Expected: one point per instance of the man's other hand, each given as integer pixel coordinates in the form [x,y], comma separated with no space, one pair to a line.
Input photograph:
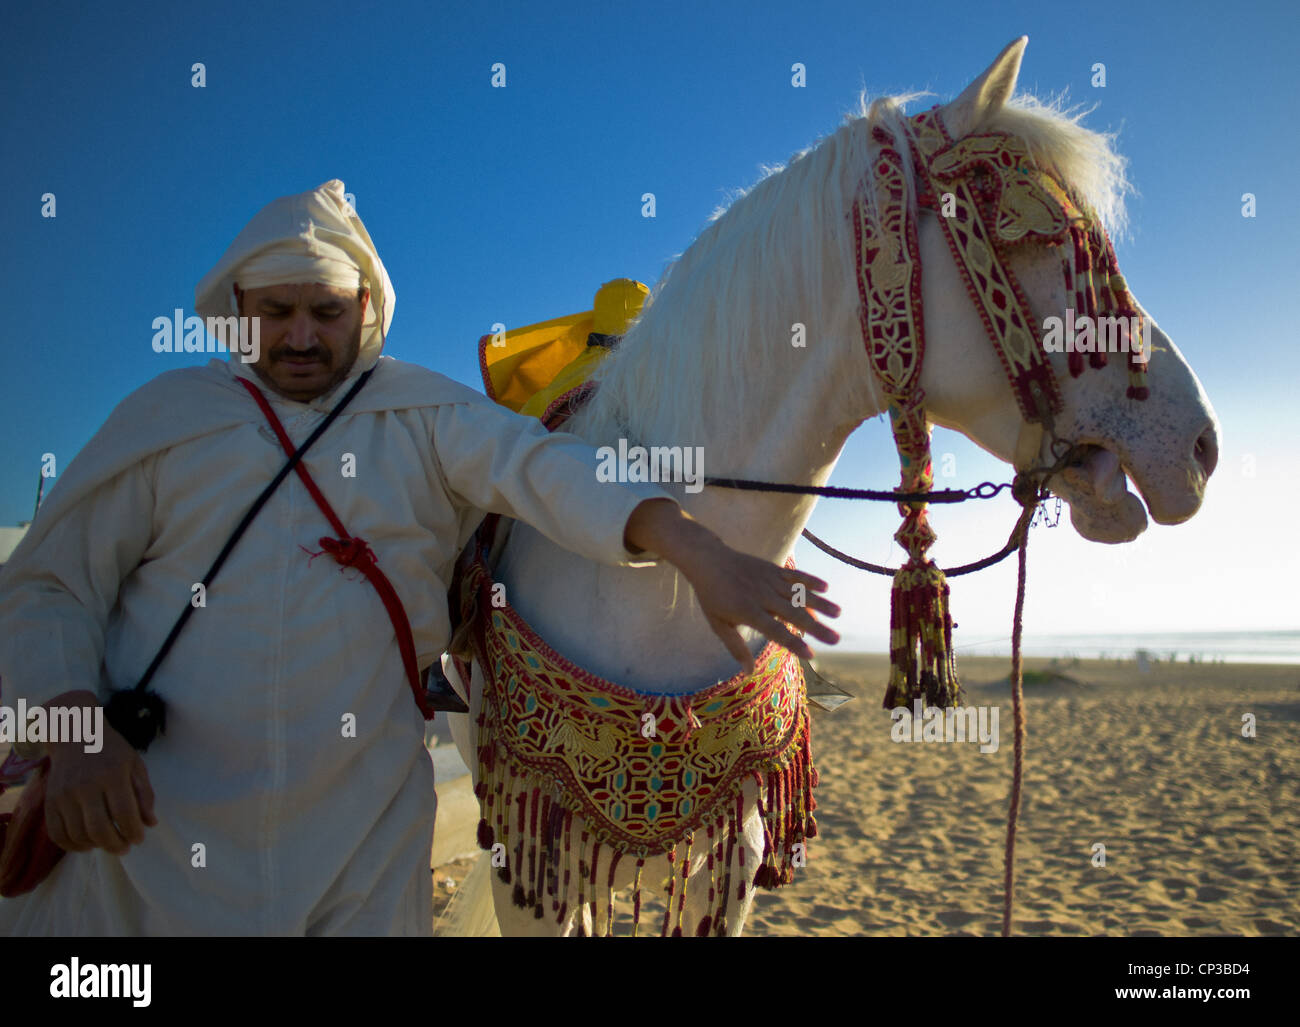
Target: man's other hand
[96,800]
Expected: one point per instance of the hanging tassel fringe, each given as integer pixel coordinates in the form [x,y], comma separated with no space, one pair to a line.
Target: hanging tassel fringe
[541,847]
[922,665]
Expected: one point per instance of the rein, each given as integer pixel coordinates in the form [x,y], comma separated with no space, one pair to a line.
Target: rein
[1031,482]
[1035,479]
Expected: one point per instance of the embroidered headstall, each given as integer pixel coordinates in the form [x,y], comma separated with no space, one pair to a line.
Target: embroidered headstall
[990,198]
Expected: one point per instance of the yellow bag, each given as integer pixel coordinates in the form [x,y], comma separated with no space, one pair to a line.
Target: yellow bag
[529,368]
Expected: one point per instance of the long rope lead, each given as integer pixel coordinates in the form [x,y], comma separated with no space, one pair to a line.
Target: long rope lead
[1030,492]
[1018,715]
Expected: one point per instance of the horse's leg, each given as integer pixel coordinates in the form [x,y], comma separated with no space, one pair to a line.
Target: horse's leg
[698,905]
[524,923]
[514,922]
[751,843]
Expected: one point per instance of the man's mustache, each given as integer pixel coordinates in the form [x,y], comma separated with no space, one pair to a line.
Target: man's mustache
[315,353]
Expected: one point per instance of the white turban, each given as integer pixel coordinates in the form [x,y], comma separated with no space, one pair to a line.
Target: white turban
[289,262]
[314,236]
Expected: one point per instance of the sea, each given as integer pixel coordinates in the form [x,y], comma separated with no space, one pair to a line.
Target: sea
[1176,646]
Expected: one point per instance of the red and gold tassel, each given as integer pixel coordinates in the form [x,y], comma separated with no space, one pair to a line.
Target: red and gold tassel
[518,897]
[609,894]
[922,664]
[681,903]
[672,881]
[636,896]
[707,921]
[568,866]
[582,881]
[535,803]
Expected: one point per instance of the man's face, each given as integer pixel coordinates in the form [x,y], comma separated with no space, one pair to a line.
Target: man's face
[311,335]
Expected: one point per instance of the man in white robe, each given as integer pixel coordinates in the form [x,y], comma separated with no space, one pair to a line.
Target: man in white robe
[291,793]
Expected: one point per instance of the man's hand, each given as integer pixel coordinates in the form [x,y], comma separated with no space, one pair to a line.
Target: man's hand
[100,800]
[733,588]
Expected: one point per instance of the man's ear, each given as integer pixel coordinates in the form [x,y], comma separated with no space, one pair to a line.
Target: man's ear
[363,297]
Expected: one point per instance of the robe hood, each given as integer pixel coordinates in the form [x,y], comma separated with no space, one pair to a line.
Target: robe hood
[318,223]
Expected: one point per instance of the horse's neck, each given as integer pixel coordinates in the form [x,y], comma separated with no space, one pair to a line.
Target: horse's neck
[642,627]
[795,440]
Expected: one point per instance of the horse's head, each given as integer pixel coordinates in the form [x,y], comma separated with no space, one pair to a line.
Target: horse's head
[1167,442]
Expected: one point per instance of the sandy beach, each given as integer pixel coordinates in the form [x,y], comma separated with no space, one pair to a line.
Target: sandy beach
[1201,826]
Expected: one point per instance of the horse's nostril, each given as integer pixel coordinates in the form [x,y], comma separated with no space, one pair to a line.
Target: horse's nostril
[1206,451]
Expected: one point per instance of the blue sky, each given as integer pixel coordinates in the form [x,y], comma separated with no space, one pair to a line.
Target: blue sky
[514,204]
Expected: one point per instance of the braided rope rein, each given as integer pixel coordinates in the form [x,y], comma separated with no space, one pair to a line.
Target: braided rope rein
[1018,716]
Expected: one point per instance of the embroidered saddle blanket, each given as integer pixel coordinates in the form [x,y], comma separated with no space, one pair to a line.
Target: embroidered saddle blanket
[648,774]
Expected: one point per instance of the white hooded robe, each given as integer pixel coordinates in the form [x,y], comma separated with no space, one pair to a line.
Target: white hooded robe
[273,820]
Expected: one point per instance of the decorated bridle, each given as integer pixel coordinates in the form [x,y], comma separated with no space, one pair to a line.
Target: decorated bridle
[990,197]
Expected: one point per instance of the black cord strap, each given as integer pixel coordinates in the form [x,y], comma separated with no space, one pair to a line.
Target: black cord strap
[138,714]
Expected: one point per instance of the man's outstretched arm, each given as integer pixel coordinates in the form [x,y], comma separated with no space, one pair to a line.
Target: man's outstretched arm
[498,461]
[733,588]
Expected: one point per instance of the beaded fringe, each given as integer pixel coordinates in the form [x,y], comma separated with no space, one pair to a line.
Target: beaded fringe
[1099,290]
[538,844]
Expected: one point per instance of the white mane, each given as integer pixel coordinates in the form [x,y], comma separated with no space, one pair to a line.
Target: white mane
[721,315]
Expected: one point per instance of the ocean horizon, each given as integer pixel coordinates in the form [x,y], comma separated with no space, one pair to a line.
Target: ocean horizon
[1278,646]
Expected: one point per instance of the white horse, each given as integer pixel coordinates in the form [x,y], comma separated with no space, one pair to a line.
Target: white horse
[710,363]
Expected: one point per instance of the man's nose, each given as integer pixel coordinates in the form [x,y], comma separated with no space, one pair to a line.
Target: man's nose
[302,331]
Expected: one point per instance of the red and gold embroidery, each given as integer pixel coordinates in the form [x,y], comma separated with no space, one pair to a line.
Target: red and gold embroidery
[647,774]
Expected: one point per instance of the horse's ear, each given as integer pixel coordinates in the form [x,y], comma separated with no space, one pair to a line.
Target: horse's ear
[987,94]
